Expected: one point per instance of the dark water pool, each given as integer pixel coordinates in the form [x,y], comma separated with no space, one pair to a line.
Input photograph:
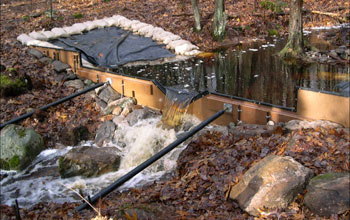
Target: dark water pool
[252,72]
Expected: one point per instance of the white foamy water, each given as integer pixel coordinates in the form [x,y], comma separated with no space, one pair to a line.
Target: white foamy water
[42,183]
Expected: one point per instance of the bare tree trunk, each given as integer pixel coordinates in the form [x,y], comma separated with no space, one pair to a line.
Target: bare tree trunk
[295,45]
[219,20]
[197,16]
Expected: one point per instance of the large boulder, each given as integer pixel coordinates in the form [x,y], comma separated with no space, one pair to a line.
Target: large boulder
[274,182]
[19,147]
[328,194]
[89,161]
[105,133]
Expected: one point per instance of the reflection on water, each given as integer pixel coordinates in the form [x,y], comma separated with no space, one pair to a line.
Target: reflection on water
[252,72]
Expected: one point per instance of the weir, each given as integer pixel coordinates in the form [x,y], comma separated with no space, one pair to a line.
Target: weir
[152,94]
[95,48]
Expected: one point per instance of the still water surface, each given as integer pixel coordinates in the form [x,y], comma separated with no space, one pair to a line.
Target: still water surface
[251,71]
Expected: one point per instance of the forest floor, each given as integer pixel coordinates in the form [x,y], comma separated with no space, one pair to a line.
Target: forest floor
[247,20]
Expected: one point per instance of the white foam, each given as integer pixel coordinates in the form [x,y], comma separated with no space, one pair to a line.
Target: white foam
[141,141]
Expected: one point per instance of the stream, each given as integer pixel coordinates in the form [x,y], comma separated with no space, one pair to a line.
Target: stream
[41,182]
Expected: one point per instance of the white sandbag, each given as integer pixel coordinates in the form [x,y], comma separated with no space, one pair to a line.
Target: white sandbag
[59,32]
[154,31]
[145,30]
[33,42]
[38,36]
[72,30]
[50,35]
[125,23]
[136,27]
[23,38]
[119,19]
[176,43]
[182,49]
[80,27]
[100,23]
[46,44]
[192,53]
[133,22]
[160,35]
[170,38]
[110,21]
[90,25]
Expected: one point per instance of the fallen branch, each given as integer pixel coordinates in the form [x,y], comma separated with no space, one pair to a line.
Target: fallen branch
[333,15]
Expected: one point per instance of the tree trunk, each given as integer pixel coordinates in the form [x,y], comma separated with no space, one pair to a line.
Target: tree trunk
[295,45]
[197,16]
[219,20]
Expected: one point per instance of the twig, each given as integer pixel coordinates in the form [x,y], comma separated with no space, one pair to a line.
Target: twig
[82,198]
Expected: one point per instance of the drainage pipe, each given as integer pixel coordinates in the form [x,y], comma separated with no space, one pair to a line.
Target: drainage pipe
[52,104]
[148,162]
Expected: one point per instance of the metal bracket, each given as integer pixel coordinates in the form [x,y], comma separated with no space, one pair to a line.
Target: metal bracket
[228,107]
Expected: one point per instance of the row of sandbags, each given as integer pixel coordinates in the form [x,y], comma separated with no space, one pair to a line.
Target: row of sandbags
[172,41]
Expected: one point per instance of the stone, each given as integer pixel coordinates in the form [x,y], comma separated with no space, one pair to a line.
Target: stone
[328,194]
[70,76]
[59,67]
[12,84]
[72,136]
[19,146]
[127,110]
[100,103]
[77,84]
[89,161]
[105,133]
[122,103]
[272,183]
[45,60]
[117,110]
[251,130]
[298,124]
[108,94]
[88,82]
[231,125]
[138,114]
[35,53]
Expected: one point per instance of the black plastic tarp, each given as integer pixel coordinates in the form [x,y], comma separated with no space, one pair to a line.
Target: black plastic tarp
[111,47]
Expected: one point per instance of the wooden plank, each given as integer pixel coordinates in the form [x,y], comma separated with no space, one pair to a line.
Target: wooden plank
[323,106]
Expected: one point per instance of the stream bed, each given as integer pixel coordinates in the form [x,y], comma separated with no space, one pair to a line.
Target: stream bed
[41,182]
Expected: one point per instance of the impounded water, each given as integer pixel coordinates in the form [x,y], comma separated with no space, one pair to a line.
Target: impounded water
[252,71]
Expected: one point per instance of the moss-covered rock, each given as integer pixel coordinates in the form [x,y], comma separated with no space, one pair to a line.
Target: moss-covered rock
[12,84]
[19,147]
[328,194]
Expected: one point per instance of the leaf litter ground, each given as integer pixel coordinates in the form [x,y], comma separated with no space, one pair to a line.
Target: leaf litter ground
[211,163]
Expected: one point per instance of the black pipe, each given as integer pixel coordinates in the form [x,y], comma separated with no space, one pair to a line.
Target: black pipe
[52,104]
[148,162]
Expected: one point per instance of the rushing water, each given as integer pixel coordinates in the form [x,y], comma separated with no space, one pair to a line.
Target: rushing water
[42,183]
[251,71]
